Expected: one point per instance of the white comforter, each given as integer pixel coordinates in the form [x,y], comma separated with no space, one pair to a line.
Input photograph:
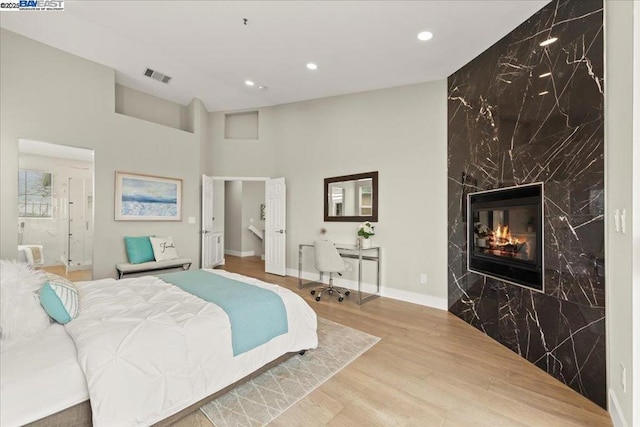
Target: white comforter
[149,349]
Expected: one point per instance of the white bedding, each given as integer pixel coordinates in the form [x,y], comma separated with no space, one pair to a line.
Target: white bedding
[39,376]
[149,349]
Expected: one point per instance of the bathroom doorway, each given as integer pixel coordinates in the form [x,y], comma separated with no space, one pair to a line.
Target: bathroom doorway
[55,208]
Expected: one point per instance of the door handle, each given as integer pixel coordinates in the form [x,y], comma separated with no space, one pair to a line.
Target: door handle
[205,232]
[280,231]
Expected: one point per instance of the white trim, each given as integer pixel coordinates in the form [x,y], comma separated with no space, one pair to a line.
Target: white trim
[240,254]
[617,417]
[635,225]
[397,294]
[416,298]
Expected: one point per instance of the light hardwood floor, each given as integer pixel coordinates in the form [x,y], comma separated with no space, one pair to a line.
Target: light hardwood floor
[429,369]
[74,276]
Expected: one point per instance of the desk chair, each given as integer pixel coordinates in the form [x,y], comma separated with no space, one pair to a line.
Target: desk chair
[328,260]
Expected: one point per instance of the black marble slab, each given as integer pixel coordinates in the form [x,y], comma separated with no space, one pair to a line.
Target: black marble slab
[511,123]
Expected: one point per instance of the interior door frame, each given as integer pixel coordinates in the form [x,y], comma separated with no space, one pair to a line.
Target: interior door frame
[244,178]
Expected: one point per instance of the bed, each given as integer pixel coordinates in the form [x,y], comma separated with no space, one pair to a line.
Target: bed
[142,351]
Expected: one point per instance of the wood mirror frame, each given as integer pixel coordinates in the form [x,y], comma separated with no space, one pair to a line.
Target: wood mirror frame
[374,191]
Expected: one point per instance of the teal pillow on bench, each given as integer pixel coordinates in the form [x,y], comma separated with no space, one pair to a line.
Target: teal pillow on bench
[139,249]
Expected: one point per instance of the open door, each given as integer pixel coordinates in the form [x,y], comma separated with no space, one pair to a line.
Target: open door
[208,242]
[275,224]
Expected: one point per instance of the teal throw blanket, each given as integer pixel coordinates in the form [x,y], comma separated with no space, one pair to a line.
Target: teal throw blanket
[256,314]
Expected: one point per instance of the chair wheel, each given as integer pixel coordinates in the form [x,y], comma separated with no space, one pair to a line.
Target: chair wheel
[347,293]
[317,298]
[313,292]
[340,299]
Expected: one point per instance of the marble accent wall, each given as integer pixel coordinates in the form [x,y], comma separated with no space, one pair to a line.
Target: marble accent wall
[512,123]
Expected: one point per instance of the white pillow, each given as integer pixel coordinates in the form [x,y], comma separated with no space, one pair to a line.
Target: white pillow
[20,311]
[163,248]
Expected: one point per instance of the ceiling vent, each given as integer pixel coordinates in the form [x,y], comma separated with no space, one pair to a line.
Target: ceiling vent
[156,75]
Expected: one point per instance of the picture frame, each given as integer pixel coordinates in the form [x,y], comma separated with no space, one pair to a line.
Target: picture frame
[147,197]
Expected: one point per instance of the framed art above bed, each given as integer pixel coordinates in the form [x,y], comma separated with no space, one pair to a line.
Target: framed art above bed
[147,198]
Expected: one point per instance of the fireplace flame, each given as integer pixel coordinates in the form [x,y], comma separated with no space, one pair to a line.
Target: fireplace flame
[502,237]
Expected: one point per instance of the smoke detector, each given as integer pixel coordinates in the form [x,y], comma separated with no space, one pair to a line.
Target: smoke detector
[156,75]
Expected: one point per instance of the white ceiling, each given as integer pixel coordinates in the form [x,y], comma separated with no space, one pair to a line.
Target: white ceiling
[204,46]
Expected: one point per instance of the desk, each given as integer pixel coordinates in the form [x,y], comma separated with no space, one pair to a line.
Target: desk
[348,251]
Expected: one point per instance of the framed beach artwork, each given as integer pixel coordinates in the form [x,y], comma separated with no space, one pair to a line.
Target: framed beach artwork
[147,198]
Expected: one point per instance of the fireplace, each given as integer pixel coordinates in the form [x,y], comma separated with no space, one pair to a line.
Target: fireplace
[505,234]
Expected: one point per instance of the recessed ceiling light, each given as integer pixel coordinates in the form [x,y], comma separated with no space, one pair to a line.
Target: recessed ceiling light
[261,87]
[424,36]
[249,83]
[543,93]
[548,41]
[544,75]
[312,66]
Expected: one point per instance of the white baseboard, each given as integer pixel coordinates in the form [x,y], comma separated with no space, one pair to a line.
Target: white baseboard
[617,418]
[239,253]
[398,294]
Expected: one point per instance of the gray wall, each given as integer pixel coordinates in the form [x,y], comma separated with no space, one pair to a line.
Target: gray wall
[400,132]
[134,103]
[621,189]
[242,201]
[242,157]
[252,198]
[233,216]
[49,95]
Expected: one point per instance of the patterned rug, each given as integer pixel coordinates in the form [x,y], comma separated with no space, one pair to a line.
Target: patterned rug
[261,400]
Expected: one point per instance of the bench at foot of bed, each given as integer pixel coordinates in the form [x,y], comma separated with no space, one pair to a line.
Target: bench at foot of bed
[128,268]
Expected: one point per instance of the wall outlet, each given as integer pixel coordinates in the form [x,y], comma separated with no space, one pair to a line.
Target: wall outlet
[191,220]
[623,377]
[423,278]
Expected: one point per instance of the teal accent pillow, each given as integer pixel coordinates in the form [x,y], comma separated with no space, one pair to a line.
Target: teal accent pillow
[139,249]
[60,301]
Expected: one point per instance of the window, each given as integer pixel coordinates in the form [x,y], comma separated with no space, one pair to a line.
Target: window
[34,194]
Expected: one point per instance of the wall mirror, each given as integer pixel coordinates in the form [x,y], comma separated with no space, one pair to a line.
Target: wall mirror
[351,198]
[55,208]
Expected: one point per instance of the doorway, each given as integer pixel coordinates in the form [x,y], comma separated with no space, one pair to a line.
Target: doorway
[249,216]
[244,224]
[55,208]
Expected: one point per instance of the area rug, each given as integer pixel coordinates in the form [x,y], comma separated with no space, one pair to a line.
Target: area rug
[261,400]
